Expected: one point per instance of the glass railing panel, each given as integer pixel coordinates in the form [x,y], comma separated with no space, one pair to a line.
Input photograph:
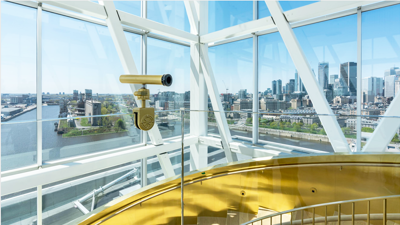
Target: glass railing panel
[18,142]
[59,199]
[170,123]
[19,208]
[65,138]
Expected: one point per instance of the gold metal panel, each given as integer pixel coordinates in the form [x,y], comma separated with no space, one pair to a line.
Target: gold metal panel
[274,183]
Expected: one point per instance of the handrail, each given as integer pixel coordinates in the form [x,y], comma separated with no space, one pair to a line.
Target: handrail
[327,204]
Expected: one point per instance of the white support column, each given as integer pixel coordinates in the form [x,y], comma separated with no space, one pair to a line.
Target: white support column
[125,55]
[39,205]
[143,57]
[359,79]
[256,102]
[216,103]
[255,90]
[166,166]
[198,89]
[39,140]
[386,128]
[329,122]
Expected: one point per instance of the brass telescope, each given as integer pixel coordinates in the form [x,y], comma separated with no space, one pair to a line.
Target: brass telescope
[165,80]
[144,117]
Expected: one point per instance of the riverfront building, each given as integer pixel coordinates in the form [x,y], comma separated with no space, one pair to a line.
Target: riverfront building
[279,112]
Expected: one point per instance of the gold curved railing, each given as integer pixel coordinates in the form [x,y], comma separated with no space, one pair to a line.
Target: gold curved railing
[384,216]
[239,190]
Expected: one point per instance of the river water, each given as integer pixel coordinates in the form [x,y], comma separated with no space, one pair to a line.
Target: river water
[18,140]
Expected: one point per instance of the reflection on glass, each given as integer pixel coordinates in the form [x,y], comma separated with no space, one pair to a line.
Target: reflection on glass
[18,85]
[19,208]
[171,13]
[59,199]
[233,65]
[132,7]
[380,67]
[288,5]
[262,9]
[81,68]
[223,14]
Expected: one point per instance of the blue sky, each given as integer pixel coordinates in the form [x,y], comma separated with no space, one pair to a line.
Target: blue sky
[79,55]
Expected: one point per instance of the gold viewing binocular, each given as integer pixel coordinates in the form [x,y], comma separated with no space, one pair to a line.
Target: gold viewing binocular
[144,117]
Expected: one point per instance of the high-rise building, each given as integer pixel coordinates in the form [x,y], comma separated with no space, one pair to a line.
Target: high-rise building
[88,94]
[242,93]
[332,79]
[372,87]
[348,72]
[75,95]
[392,71]
[323,72]
[396,87]
[279,87]
[390,85]
[291,86]
[298,84]
[274,87]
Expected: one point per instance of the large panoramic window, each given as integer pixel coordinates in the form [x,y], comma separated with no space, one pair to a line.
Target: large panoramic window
[281,90]
[380,66]
[81,70]
[168,58]
[133,7]
[223,14]
[18,86]
[171,13]
[232,65]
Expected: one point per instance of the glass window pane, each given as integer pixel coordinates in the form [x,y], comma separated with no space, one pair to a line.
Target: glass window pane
[288,5]
[232,65]
[262,9]
[169,58]
[380,67]
[19,208]
[59,198]
[171,13]
[133,7]
[18,86]
[81,70]
[223,14]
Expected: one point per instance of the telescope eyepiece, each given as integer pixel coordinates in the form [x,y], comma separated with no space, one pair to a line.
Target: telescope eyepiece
[166,80]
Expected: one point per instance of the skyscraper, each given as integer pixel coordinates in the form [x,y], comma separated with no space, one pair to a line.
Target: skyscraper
[323,72]
[291,86]
[298,84]
[348,72]
[279,87]
[88,94]
[242,93]
[390,85]
[274,87]
[332,79]
[392,71]
[372,87]
[75,95]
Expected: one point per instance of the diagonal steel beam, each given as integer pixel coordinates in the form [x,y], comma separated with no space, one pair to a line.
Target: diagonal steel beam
[386,128]
[125,55]
[332,128]
[216,103]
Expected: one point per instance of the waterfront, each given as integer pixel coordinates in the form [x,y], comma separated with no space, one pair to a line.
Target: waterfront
[19,140]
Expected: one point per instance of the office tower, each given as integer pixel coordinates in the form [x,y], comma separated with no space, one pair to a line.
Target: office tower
[242,93]
[296,81]
[75,95]
[392,71]
[396,87]
[323,71]
[88,94]
[284,88]
[274,87]
[332,79]
[390,85]
[372,87]
[279,87]
[348,72]
[291,86]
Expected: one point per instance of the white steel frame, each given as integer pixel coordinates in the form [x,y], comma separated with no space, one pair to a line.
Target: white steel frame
[202,83]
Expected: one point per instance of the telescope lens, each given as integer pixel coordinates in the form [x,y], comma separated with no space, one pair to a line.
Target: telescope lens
[166,80]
